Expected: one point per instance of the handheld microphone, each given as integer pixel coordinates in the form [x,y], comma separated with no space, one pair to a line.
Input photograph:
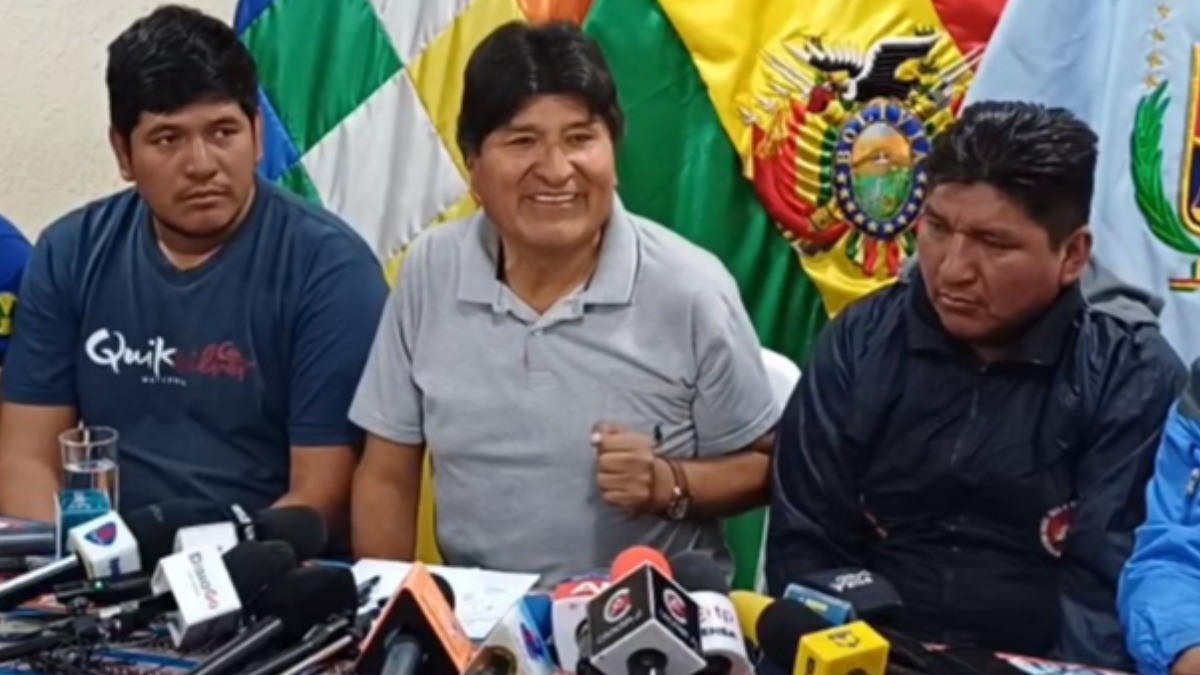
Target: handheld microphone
[513,647]
[833,609]
[793,637]
[872,596]
[207,590]
[288,608]
[300,527]
[417,631]
[569,614]
[338,633]
[721,639]
[644,623]
[152,527]
[20,537]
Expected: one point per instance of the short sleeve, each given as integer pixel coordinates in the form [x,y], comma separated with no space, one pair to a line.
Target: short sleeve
[734,403]
[15,251]
[341,307]
[388,403]
[39,363]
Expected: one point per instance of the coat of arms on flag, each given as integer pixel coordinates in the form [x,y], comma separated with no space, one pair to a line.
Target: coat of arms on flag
[839,138]
[1174,224]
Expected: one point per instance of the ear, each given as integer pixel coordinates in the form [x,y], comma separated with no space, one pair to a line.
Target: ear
[121,150]
[1077,252]
[256,127]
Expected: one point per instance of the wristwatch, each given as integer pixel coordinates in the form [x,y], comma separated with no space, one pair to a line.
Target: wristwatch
[681,497]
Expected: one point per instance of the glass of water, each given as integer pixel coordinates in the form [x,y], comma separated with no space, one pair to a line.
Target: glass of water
[89,457]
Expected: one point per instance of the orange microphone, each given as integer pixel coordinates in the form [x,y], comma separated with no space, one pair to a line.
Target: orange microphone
[636,557]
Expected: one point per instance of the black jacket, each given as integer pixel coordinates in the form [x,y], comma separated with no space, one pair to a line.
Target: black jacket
[959,482]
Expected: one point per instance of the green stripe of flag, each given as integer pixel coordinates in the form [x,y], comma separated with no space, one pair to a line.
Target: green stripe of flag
[319,60]
[678,167]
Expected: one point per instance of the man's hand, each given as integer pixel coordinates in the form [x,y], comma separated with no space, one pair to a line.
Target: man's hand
[1188,663]
[629,473]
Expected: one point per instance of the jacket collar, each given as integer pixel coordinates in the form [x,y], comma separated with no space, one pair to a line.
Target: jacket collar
[1040,344]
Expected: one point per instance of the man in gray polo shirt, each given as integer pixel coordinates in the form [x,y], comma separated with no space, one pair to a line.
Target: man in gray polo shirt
[585,379]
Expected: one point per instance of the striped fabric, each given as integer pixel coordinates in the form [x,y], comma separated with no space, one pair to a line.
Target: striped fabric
[361,99]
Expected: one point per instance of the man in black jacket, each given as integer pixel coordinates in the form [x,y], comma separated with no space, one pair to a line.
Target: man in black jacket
[978,433]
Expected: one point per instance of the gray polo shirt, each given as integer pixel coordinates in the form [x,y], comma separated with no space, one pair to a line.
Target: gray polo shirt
[505,399]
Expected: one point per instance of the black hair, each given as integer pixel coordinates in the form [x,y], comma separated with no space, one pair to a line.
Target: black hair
[172,58]
[518,61]
[1043,159]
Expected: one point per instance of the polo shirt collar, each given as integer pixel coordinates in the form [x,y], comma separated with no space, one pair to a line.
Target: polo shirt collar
[480,278]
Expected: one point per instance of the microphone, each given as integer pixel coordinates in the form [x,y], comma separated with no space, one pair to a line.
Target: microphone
[513,647]
[417,631]
[300,527]
[20,537]
[289,608]
[151,528]
[568,616]
[791,636]
[205,591]
[872,596]
[721,639]
[833,609]
[644,623]
[338,634]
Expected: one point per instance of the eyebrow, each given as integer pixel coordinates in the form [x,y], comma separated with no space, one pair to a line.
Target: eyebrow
[528,128]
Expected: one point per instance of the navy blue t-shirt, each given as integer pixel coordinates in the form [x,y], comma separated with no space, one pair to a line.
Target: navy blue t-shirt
[210,375]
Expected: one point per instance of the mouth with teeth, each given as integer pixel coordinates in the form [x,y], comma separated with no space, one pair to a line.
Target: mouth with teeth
[554,199]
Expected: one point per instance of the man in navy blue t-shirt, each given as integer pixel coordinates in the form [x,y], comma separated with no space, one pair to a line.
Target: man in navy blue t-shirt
[219,324]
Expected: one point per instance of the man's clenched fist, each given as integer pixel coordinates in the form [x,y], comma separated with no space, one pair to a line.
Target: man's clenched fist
[628,471]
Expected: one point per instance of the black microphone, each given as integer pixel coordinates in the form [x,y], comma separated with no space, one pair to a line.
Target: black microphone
[872,596]
[317,641]
[153,527]
[644,624]
[288,608]
[302,528]
[417,631]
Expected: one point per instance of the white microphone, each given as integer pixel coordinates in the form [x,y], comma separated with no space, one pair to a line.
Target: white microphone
[105,546]
[721,638]
[513,647]
[568,616]
[207,602]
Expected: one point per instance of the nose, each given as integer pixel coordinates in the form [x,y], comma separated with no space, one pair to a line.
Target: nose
[957,266]
[200,160]
[554,167]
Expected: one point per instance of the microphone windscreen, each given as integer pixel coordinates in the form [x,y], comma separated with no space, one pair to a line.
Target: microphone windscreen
[254,564]
[780,627]
[445,587]
[154,527]
[307,596]
[302,527]
[635,556]
[697,571]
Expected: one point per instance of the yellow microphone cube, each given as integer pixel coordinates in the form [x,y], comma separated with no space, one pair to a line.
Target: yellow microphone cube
[853,649]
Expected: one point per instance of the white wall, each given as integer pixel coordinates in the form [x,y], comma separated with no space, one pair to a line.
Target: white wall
[54,151]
